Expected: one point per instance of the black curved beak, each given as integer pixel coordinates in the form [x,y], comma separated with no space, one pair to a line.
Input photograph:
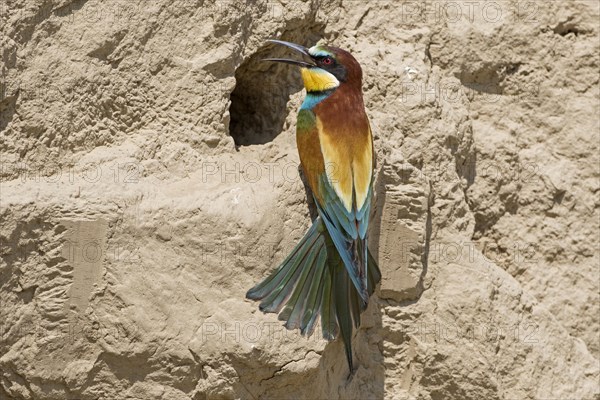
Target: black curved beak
[294,46]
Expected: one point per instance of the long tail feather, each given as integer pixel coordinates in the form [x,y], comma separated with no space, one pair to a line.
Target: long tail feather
[343,310]
[296,282]
[271,283]
[313,282]
[356,305]
[312,307]
[295,305]
[329,325]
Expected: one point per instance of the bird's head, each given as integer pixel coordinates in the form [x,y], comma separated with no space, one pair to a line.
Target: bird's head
[329,67]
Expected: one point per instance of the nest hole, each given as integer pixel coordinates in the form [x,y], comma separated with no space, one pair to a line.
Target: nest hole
[259,101]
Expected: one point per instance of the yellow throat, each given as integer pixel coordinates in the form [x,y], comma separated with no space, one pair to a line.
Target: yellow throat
[317,79]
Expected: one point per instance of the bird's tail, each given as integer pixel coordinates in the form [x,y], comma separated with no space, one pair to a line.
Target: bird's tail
[347,301]
[313,282]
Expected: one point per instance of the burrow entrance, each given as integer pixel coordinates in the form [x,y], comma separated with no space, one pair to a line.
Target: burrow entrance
[259,101]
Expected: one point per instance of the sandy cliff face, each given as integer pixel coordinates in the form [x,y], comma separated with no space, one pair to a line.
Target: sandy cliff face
[149,178]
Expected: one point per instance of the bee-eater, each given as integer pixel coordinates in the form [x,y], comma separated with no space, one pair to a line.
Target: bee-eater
[330,273]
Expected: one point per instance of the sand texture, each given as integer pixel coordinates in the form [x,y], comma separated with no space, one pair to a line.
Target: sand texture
[150,177]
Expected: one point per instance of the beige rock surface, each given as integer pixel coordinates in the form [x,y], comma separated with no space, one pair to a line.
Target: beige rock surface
[149,178]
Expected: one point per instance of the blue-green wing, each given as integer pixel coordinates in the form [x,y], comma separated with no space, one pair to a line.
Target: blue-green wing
[348,231]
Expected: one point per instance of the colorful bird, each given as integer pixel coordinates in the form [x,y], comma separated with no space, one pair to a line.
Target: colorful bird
[330,273]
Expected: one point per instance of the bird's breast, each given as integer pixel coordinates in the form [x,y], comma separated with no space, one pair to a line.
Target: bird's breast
[346,144]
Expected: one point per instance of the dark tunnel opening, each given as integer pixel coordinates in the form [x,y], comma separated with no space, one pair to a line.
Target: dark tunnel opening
[259,101]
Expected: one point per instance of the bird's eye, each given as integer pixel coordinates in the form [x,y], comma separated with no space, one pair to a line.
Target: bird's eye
[327,61]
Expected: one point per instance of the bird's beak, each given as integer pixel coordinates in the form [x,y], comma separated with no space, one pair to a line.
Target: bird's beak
[294,46]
